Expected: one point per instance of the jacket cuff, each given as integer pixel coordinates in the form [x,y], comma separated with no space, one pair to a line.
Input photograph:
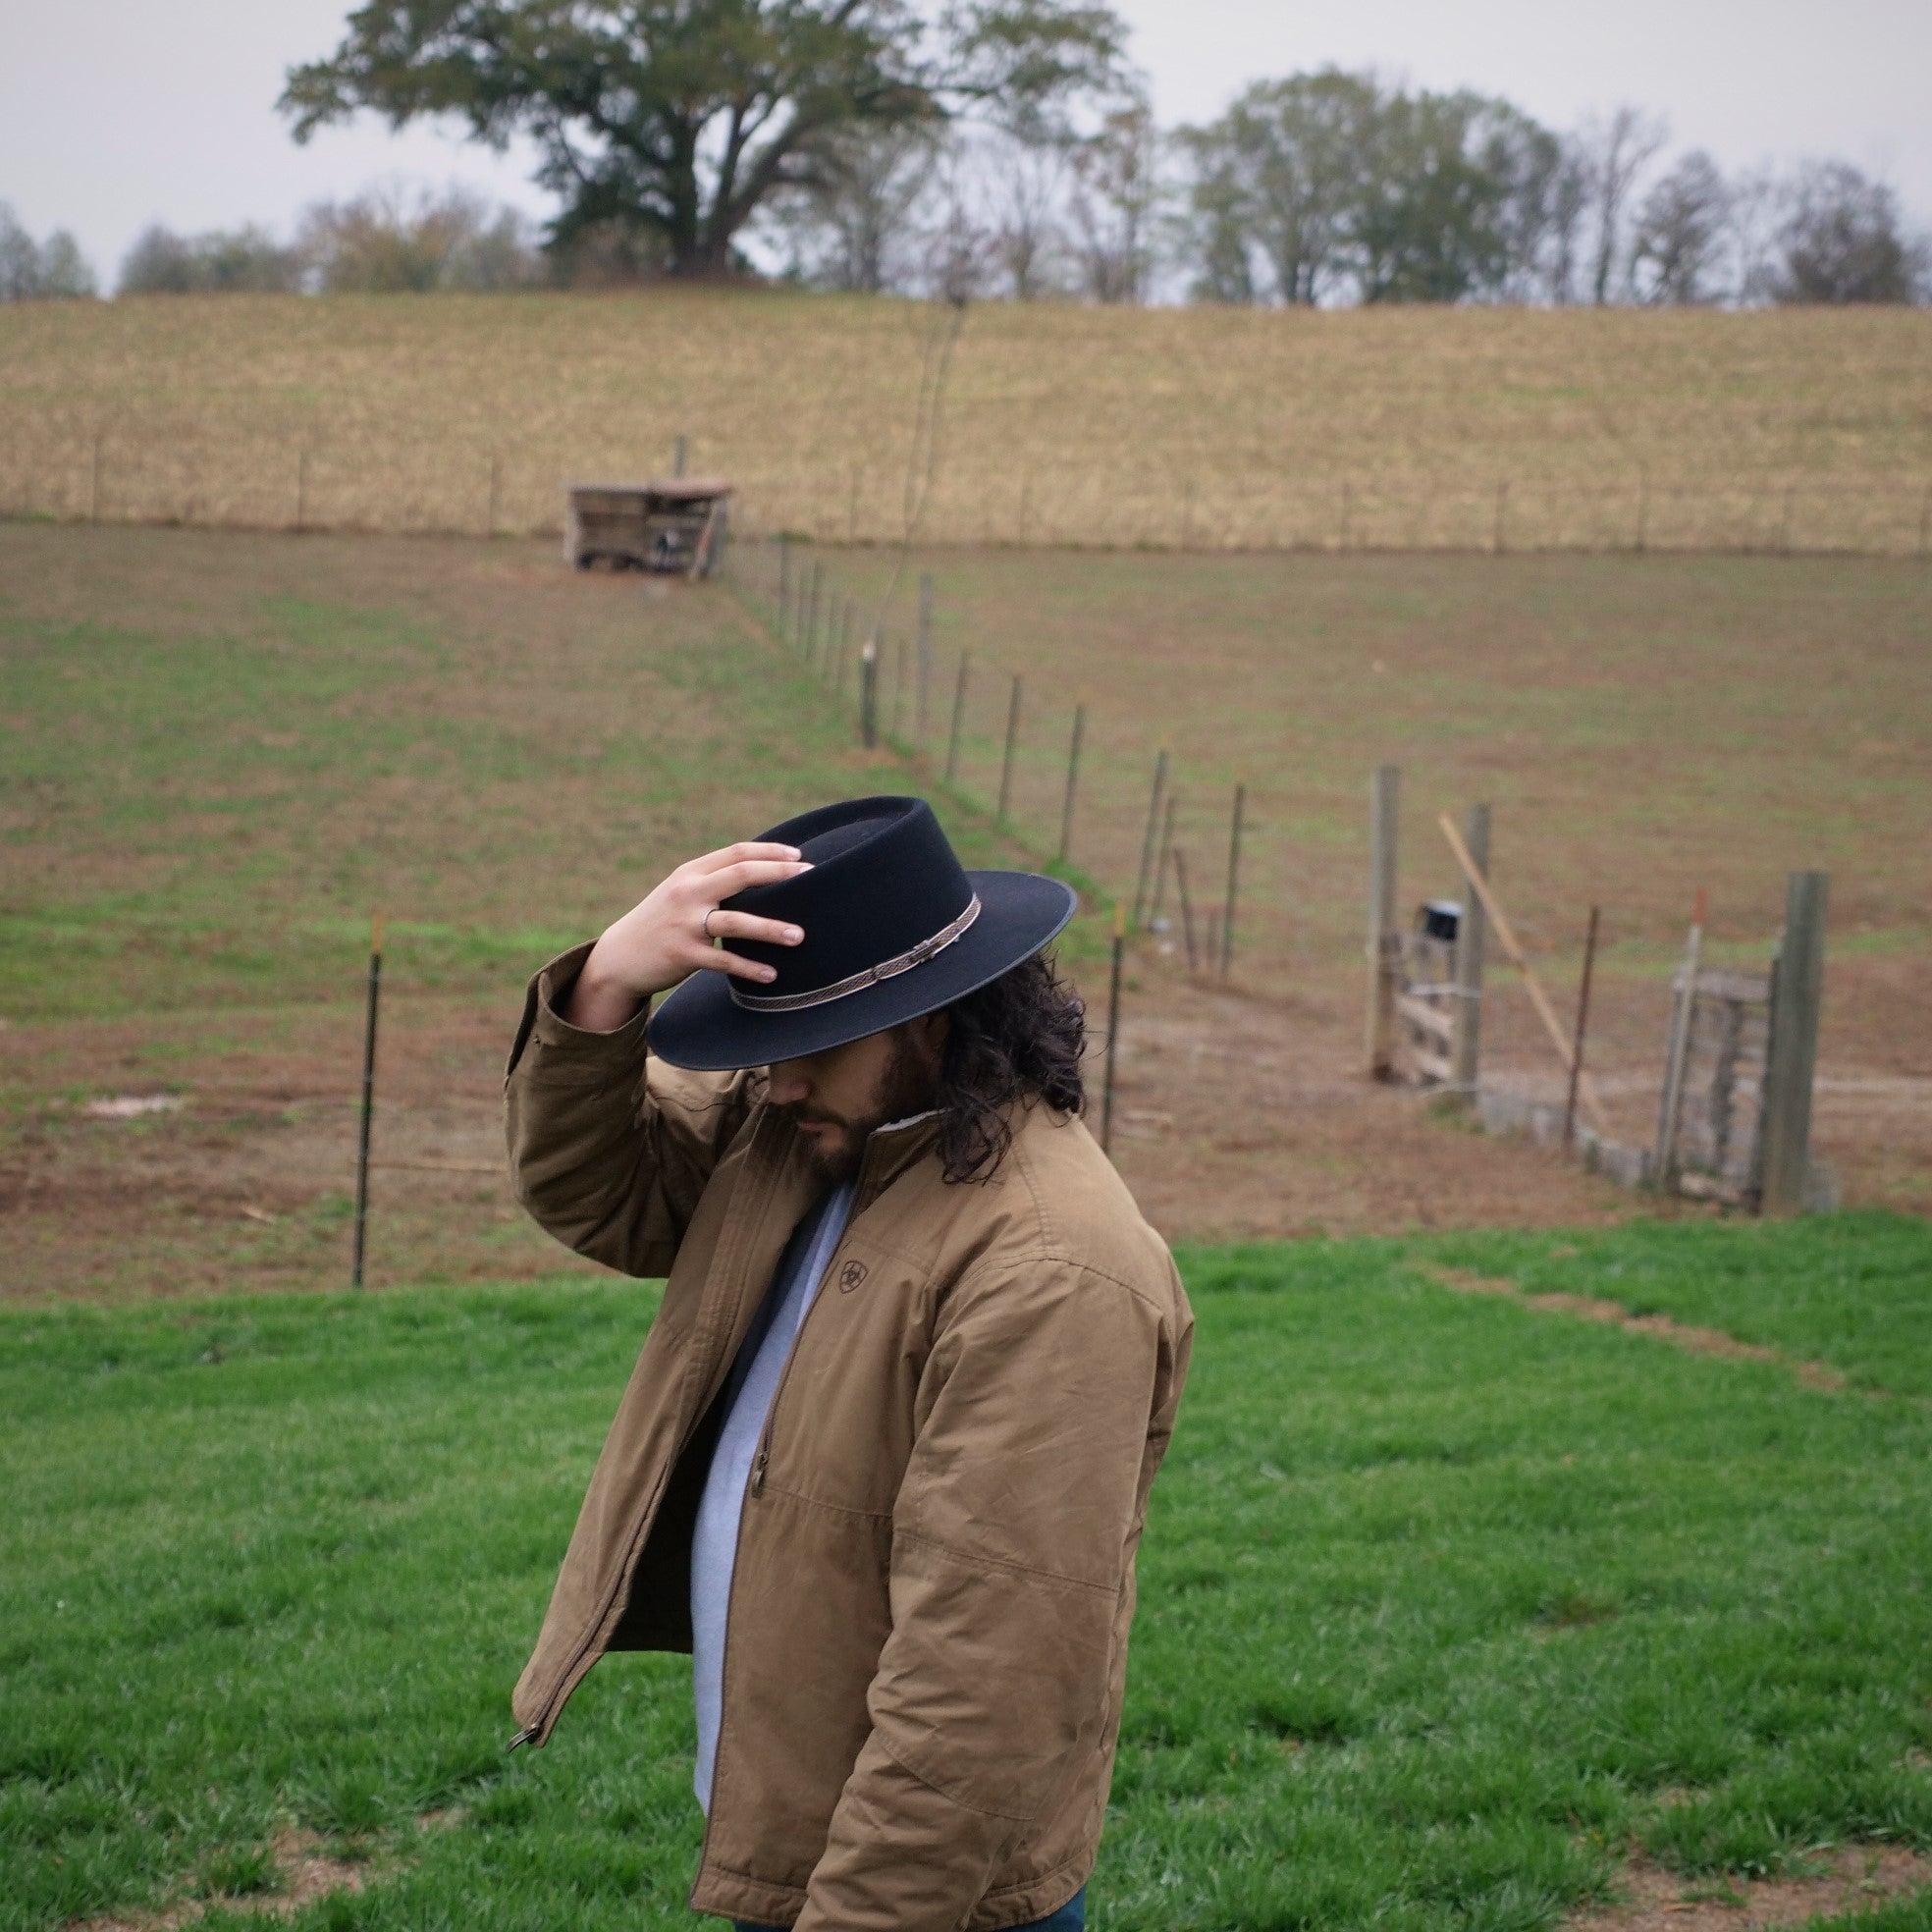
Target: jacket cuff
[592,1053]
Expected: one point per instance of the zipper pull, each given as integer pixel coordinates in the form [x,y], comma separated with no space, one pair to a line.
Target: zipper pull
[522,1737]
[758,1472]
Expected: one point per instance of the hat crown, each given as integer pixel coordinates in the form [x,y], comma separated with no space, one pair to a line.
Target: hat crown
[884,882]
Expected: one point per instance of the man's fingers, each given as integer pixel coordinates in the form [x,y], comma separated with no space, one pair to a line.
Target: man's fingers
[720,961]
[745,848]
[727,880]
[723,924]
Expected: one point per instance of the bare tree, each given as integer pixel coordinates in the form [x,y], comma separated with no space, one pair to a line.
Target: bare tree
[1027,176]
[1678,242]
[1615,153]
[1843,241]
[853,227]
[1115,202]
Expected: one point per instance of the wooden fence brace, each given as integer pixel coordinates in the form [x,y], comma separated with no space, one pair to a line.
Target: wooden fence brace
[368,1099]
[1113,1028]
[1187,909]
[1072,782]
[1792,1057]
[958,713]
[1466,1019]
[923,653]
[1521,961]
[1677,1051]
[1007,755]
[869,693]
[1384,803]
[1233,879]
[1147,843]
[1160,860]
[1576,1044]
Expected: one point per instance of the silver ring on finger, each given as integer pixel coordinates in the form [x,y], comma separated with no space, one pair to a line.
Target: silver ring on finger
[706,922]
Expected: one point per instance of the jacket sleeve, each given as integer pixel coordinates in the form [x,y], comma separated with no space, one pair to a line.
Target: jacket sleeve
[609,1149]
[1011,1573]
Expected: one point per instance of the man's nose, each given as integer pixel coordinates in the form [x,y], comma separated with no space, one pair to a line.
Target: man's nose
[785,1084]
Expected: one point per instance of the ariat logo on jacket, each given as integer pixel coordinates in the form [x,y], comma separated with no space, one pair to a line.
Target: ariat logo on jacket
[851,1275]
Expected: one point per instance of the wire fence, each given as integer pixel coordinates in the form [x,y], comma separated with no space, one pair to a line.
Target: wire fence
[60,464]
[1073,785]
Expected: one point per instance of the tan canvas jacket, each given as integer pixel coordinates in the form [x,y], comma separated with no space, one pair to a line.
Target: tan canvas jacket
[928,1628]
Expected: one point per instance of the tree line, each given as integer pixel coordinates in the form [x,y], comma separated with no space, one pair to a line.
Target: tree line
[1002,149]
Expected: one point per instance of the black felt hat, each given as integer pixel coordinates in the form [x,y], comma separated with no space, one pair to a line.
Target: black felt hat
[894,926]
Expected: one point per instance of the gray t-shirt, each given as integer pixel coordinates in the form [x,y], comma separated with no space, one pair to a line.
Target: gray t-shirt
[747,1398]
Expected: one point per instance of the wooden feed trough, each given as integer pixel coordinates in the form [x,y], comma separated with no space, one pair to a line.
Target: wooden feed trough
[675,525]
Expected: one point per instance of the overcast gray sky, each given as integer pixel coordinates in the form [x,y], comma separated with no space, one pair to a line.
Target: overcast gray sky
[114,113]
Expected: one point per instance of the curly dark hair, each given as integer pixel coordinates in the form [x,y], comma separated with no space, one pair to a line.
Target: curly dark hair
[1014,1042]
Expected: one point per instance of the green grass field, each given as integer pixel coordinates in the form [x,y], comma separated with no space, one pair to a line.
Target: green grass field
[1448,1604]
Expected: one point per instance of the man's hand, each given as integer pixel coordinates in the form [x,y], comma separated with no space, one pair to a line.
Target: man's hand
[669,935]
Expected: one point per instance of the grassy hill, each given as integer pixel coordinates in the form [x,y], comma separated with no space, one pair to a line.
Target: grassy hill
[1450,1603]
[1401,428]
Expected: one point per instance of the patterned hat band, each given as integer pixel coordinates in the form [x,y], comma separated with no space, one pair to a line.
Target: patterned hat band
[887,969]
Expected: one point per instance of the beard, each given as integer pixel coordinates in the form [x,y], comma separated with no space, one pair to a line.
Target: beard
[837,1150]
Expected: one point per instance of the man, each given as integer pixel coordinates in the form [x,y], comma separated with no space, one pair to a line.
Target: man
[884,1461]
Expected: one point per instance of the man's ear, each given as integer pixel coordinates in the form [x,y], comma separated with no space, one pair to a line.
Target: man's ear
[930,1030]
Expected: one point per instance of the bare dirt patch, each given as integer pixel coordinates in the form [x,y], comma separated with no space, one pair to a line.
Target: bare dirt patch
[1687,1336]
[303,1872]
[1662,1901]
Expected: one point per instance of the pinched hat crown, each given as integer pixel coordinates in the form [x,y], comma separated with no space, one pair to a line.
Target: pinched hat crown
[885,894]
[894,926]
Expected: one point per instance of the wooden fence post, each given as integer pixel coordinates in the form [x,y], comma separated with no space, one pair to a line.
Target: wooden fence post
[1384,806]
[1147,843]
[1466,1022]
[1072,782]
[1797,994]
[1006,757]
[94,481]
[899,688]
[496,490]
[785,586]
[678,457]
[302,490]
[958,713]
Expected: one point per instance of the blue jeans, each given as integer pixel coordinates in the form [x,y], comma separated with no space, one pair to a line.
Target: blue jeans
[1071,1918]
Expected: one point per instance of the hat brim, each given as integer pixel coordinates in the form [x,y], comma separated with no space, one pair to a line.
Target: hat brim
[698,1026]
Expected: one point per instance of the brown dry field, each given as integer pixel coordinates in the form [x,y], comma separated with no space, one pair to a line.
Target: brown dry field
[223,750]
[1198,428]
